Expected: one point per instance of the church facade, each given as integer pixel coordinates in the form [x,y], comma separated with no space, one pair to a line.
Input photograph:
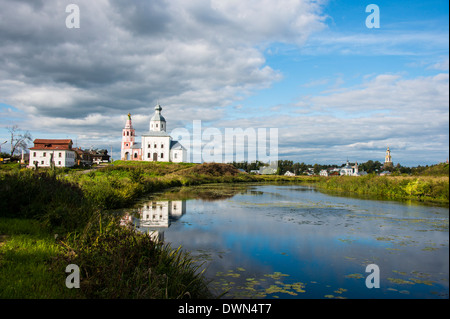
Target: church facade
[156,145]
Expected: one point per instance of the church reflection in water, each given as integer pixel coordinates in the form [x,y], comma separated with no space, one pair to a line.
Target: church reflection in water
[154,216]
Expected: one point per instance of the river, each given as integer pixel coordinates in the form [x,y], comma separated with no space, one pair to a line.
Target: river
[293,241]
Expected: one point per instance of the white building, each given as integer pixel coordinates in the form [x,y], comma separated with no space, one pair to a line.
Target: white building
[157,145]
[46,153]
[323,172]
[155,216]
[288,173]
[349,170]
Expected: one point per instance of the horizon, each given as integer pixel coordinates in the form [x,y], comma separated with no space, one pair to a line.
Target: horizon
[334,88]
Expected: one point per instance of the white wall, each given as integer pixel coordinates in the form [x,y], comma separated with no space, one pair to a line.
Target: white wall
[162,147]
[60,158]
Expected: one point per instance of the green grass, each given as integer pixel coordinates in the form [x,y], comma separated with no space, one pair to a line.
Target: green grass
[27,262]
[418,188]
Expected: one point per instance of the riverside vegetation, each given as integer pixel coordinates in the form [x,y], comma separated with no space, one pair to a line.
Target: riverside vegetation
[52,218]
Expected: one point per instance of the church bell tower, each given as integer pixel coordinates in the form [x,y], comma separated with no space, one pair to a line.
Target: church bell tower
[388,159]
[128,139]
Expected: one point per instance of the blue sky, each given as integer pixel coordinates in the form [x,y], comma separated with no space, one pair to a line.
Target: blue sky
[334,88]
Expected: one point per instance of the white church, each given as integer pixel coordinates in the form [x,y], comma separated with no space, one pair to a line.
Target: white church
[156,145]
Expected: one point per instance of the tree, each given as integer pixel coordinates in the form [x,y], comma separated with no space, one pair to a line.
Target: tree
[19,141]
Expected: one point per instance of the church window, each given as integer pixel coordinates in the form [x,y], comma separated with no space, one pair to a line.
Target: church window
[128,133]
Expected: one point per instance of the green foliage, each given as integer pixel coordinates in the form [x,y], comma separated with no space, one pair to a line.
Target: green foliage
[43,196]
[432,189]
[27,268]
[118,262]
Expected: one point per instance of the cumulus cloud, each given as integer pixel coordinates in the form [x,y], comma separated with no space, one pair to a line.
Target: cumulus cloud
[127,55]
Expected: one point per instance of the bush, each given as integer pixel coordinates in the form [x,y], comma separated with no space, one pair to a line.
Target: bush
[118,262]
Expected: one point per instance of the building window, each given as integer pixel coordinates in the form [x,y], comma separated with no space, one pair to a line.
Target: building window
[128,133]
[60,154]
[162,145]
[155,145]
[156,125]
[162,155]
[59,162]
[135,155]
[44,154]
[148,155]
[34,154]
[42,162]
[175,155]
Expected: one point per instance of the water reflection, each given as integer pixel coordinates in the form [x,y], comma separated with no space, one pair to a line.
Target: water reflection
[291,241]
[153,217]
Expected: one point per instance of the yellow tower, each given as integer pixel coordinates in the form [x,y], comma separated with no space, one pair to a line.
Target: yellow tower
[388,158]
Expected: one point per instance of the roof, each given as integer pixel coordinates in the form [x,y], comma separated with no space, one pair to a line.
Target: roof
[52,144]
[158,117]
[175,145]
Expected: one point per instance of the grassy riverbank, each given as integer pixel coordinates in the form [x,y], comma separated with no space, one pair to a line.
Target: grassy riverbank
[433,189]
[49,219]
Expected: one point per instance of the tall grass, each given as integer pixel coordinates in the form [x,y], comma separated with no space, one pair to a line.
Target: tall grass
[118,262]
[424,188]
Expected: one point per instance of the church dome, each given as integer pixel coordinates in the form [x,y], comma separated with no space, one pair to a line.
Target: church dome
[157,116]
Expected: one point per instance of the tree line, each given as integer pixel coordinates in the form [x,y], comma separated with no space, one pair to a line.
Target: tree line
[371,167]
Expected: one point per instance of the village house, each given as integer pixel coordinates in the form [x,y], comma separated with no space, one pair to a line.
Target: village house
[52,152]
[99,156]
[288,173]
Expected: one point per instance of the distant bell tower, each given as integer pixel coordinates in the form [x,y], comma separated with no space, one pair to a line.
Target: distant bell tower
[388,159]
[128,137]
[158,122]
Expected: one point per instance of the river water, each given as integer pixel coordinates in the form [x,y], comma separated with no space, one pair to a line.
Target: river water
[292,241]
